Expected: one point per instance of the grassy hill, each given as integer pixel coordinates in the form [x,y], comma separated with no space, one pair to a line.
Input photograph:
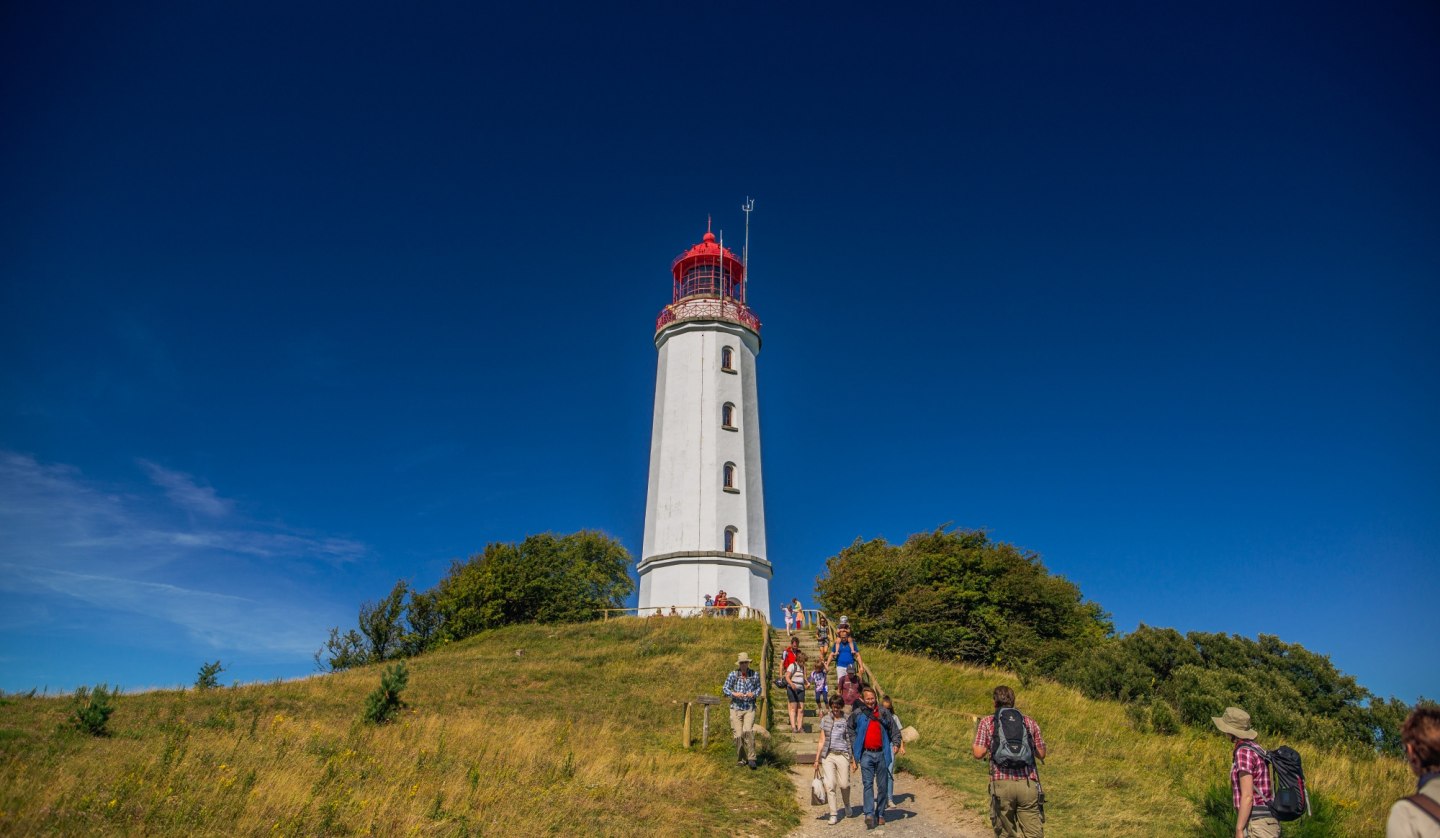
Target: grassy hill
[1103,778]
[577,734]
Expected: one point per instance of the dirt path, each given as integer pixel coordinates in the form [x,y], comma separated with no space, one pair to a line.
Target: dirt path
[925,810]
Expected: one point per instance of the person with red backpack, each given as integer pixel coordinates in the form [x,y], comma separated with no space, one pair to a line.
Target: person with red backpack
[1012,742]
[1249,777]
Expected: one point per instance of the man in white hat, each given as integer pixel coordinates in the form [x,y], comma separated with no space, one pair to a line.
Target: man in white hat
[1249,777]
[743,686]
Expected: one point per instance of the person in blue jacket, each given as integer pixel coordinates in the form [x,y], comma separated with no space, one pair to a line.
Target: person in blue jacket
[872,729]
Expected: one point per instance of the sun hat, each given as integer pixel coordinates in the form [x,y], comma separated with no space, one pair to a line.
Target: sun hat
[844,621]
[744,658]
[1235,722]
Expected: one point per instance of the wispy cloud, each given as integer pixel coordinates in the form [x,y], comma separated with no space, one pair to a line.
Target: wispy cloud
[189,558]
[186,492]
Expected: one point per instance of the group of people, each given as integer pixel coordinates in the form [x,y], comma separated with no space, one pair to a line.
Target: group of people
[860,733]
[794,615]
[718,604]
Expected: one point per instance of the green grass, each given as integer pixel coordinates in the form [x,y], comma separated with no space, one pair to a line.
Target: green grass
[578,734]
[1102,777]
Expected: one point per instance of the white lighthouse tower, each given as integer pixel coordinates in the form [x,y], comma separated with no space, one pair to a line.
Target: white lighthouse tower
[705,511]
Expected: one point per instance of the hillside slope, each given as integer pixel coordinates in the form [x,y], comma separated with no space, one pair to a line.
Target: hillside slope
[578,733]
[1103,778]
[529,730]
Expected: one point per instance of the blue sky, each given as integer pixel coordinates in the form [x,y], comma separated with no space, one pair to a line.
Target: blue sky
[296,301]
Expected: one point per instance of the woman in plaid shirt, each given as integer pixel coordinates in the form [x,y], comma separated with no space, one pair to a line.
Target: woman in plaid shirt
[1249,777]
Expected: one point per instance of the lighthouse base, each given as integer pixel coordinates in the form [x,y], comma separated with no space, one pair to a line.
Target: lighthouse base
[683,580]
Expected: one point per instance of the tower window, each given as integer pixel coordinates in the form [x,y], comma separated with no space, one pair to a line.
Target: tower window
[730,478]
[727,359]
[730,533]
[727,416]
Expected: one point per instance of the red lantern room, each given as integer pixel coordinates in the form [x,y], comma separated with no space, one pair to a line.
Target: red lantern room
[708,270]
[709,285]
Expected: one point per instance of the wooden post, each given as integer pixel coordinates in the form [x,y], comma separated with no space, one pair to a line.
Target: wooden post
[686,740]
[705,730]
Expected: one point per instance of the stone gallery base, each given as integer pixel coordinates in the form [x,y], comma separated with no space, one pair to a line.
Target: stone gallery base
[683,580]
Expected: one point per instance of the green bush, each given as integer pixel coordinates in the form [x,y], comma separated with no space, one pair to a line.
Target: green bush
[1217,816]
[382,704]
[208,678]
[92,709]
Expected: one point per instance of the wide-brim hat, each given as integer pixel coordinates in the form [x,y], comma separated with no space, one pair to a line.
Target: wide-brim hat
[1235,722]
[743,658]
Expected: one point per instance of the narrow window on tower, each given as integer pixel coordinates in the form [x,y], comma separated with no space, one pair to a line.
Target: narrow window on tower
[727,416]
[730,533]
[727,359]
[730,478]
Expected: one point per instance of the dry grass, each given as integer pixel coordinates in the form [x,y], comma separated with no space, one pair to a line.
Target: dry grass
[1102,778]
[579,734]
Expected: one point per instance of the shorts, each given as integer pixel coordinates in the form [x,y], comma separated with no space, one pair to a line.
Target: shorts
[822,698]
[795,695]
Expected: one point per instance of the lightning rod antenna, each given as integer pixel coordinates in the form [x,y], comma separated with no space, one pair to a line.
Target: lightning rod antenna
[745,252]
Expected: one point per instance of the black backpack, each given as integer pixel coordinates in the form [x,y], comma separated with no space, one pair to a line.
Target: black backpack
[1287,780]
[1011,747]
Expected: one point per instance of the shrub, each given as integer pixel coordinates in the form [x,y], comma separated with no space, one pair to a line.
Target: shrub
[382,704]
[1216,806]
[207,679]
[92,709]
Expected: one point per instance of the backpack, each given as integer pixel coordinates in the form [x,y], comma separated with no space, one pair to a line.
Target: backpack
[1010,745]
[1287,780]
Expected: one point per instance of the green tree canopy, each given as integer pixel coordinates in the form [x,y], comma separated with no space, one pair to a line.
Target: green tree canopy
[955,594]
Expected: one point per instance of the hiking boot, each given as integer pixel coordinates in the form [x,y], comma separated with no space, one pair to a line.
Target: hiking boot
[834,819]
[879,820]
[752,765]
[869,822]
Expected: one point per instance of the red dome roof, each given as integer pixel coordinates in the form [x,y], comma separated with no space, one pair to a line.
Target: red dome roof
[708,246]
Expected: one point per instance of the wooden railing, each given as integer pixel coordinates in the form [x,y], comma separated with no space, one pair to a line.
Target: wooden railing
[742,612]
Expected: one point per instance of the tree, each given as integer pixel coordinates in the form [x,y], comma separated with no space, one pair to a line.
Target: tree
[208,678]
[381,624]
[384,702]
[544,579]
[342,651]
[423,622]
[91,709]
[958,595]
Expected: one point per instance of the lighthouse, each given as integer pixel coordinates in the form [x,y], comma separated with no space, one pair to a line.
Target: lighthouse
[705,507]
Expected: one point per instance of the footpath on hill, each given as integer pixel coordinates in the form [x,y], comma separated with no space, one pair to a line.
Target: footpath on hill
[924,809]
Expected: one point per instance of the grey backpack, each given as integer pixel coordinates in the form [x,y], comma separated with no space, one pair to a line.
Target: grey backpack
[1011,747]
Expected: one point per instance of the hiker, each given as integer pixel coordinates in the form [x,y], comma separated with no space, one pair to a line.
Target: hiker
[849,688]
[871,732]
[1249,777]
[1014,739]
[722,604]
[1417,816]
[799,611]
[846,653]
[709,605]
[673,612]
[795,692]
[790,652]
[789,619]
[897,745]
[832,754]
[822,689]
[822,637]
[743,687]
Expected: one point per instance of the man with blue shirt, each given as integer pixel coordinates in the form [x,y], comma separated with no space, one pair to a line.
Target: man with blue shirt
[872,727]
[743,687]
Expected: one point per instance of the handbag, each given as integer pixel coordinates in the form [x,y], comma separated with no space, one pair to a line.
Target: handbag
[817,790]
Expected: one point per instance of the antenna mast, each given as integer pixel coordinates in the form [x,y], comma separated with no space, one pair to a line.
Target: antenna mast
[745,253]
